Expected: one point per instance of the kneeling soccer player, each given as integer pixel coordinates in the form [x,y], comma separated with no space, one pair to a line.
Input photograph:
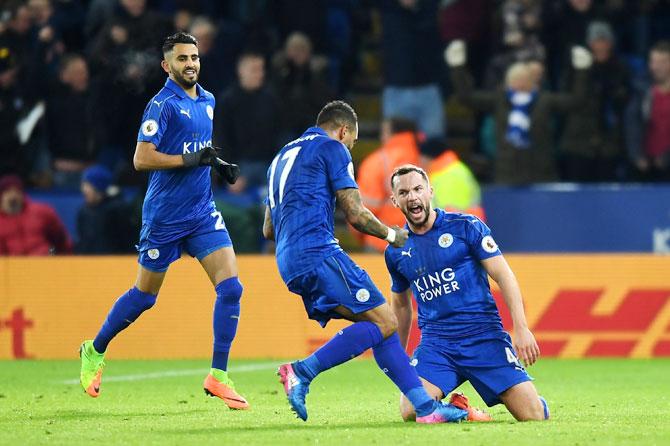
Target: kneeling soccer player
[444,264]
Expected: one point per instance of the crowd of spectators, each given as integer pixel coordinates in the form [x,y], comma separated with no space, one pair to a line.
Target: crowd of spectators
[561,90]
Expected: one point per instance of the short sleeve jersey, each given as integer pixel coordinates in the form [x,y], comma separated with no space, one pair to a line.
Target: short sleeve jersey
[176,124]
[443,269]
[302,181]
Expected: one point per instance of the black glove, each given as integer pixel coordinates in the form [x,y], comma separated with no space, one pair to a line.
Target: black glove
[204,157]
[230,172]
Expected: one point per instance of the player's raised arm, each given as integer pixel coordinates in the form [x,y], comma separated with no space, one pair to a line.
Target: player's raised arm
[268,229]
[360,217]
[524,341]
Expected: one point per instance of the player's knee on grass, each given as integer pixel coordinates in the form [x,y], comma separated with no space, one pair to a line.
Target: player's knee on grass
[524,403]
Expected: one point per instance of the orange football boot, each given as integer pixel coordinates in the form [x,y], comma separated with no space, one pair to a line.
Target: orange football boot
[461,401]
[225,391]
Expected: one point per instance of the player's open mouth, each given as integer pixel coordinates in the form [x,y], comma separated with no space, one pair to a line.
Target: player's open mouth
[189,72]
[416,210]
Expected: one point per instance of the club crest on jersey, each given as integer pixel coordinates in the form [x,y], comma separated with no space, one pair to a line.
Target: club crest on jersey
[362,295]
[489,245]
[149,127]
[153,253]
[445,240]
[210,111]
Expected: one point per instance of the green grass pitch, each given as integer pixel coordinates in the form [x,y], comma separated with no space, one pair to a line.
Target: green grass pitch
[603,402]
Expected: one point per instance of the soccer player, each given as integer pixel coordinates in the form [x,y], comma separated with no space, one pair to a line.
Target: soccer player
[306,178]
[174,144]
[445,264]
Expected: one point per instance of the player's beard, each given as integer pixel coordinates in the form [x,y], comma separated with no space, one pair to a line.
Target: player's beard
[411,218]
[182,80]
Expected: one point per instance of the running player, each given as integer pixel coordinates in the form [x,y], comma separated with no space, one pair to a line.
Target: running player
[174,144]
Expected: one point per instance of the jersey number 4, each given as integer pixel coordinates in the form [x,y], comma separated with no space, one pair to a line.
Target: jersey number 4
[284,169]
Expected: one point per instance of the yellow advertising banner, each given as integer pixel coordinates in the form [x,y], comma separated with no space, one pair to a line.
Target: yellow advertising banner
[577,306]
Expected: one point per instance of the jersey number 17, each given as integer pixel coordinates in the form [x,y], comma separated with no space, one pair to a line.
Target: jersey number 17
[281,165]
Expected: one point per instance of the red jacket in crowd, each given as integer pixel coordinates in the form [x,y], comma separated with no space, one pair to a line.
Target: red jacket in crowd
[35,229]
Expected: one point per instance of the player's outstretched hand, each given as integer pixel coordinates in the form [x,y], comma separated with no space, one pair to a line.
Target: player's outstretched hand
[229,172]
[526,346]
[401,236]
[204,157]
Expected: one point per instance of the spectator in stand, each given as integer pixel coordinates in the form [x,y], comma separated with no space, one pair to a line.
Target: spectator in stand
[399,146]
[522,113]
[520,38]
[300,83]
[26,227]
[469,20]
[17,35]
[103,223]
[455,188]
[246,122]
[564,26]
[593,142]
[412,65]
[12,105]
[650,126]
[70,122]
[122,58]
[211,56]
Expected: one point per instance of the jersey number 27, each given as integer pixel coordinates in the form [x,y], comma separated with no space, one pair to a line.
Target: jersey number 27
[283,168]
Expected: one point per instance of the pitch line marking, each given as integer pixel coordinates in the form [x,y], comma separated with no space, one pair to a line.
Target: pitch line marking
[185,372]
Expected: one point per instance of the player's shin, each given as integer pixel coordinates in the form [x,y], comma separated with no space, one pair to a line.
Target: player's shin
[125,311]
[345,345]
[226,317]
[393,360]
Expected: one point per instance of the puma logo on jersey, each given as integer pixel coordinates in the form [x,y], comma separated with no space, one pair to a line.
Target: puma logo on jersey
[407,253]
[158,103]
[185,112]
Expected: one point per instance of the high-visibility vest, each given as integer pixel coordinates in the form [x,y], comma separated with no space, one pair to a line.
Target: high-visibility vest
[455,188]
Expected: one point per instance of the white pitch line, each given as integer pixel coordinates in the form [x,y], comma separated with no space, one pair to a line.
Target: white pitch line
[185,372]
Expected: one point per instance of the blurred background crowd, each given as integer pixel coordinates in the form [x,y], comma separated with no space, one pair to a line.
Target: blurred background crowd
[511,101]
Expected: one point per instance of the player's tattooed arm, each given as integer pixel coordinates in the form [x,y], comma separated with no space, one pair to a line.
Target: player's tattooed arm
[360,217]
[268,229]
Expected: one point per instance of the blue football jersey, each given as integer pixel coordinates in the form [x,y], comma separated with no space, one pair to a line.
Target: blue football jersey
[302,181]
[176,124]
[443,269]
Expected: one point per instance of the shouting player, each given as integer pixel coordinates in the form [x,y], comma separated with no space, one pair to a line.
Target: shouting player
[174,143]
[306,178]
[445,264]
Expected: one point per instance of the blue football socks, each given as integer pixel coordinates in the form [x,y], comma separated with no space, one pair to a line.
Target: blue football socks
[393,360]
[125,311]
[226,317]
[345,345]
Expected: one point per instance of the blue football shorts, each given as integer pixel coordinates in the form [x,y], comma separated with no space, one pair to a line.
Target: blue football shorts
[336,281]
[487,360]
[161,245]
